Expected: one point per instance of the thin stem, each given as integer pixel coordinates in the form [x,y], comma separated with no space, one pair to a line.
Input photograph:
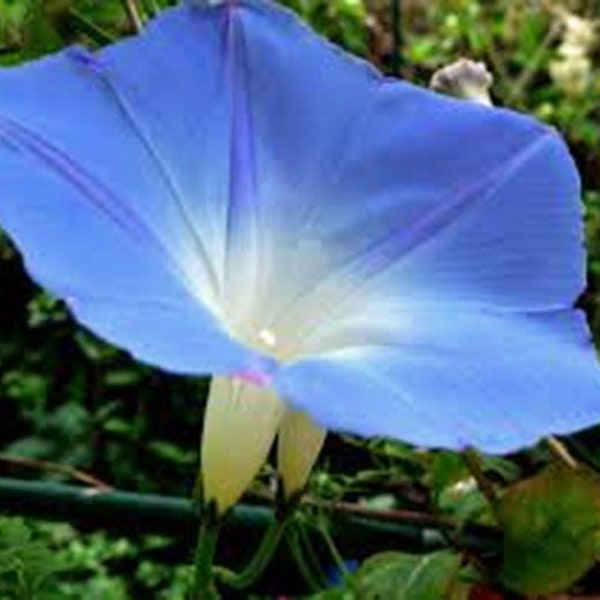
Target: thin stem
[259,562]
[333,550]
[559,451]
[350,509]
[583,454]
[133,15]
[293,541]
[205,552]
[392,516]
[310,554]
[44,465]
[87,26]
[532,68]
[473,462]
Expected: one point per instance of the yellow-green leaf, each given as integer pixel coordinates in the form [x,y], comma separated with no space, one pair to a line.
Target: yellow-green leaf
[399,576]
[550,524]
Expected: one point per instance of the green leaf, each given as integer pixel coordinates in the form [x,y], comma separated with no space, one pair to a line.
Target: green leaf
[550,525]
[455,491]
[399,576]
[447,468]
[171,453]
[26,565]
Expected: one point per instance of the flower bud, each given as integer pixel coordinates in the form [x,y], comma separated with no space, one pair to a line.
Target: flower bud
[464,78]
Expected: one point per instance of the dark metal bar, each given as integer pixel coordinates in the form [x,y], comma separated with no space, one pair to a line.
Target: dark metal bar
[129,514]
[136,514]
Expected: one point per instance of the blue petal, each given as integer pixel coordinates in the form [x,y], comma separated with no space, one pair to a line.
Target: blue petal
[456,218]
[188,98]
[510,240]
[116,206]
[453,378]
[296,100]
[230,138]
[369,185]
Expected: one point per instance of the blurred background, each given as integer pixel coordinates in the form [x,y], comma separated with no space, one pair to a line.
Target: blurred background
[71,407]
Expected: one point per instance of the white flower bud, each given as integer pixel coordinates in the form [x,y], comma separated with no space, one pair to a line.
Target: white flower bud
[465,79]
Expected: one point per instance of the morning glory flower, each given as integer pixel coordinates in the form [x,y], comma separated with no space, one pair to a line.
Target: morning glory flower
[229,194]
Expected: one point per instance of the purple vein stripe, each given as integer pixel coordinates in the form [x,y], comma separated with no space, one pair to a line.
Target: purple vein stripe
[359,271]
[19,138]
[89,61]
[242,207]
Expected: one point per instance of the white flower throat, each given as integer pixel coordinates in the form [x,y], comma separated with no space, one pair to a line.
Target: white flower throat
[268,338]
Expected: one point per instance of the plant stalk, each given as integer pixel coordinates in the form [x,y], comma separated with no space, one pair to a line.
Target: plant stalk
[473,462]
[204,588]
[259,562]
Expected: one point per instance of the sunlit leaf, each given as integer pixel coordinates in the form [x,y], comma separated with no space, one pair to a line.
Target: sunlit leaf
[550,526]
[399,576]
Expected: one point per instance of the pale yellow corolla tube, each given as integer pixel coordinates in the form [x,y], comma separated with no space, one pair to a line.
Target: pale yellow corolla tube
[259,307]
[298,446]
[240,426]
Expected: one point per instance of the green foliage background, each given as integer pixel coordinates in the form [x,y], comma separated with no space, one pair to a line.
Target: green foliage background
[67,398]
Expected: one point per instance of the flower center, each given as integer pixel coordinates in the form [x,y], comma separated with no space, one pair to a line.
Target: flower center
[268,338]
